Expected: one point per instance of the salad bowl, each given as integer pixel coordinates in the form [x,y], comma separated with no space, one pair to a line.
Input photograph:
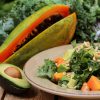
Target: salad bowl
[30,71]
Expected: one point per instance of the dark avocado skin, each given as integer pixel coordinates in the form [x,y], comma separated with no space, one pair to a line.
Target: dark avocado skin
[11,87]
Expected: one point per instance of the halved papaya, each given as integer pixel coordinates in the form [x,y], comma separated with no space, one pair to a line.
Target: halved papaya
[46,28]
[29,27]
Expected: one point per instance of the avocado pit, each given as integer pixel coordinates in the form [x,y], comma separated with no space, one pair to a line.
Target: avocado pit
[13,72]
[12,79]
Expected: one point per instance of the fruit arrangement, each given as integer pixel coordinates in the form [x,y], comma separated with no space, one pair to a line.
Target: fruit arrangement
[29,27]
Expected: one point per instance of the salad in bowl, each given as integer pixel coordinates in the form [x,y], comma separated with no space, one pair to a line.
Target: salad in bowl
[78,69]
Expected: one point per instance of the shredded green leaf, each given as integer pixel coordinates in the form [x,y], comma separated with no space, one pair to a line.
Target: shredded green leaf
[88,14]
[48,69]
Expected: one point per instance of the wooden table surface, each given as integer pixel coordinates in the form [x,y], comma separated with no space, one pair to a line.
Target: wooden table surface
[33,94]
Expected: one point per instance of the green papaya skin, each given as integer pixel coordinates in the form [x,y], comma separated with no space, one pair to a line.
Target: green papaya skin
[55,35]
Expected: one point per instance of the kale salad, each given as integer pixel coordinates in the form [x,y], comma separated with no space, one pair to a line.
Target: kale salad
[78,69]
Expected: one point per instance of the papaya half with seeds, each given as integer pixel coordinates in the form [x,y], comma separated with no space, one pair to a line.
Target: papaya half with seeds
[32,26]
[49,27]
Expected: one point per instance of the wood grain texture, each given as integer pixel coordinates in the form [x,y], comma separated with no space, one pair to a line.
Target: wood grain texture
[1,93]
[44,96]
[65,98]
[62,98]
[27,96]
[33,94]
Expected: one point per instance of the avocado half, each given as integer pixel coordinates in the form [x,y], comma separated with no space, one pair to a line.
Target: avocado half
[49,27]
[11,84]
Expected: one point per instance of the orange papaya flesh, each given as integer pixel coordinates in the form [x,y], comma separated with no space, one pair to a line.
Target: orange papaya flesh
[23,30]
[94,83]
[55,35]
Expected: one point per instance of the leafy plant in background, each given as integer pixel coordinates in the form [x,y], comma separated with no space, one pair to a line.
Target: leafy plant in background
[88,13]
[5,7]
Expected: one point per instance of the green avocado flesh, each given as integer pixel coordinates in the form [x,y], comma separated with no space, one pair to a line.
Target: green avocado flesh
[19,84]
